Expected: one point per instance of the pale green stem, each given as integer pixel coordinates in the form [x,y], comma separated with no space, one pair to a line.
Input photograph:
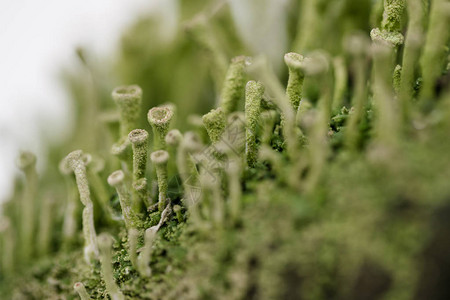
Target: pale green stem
[45,225]
[341,81]
[178,213]
[188,172]
[357,46]
[211,187]
[76,161]
[411,53]
[434,51]
[27,163]
[122,150]
[128,99]
[70,220]
[159,159]
[131,217]
[7,239]
[234,189]
[294,88]
[132,243]
[139,141]
[392,15]
[386,124]
[81,290]
[253,96]
[160,119]
[262,72]
[318,145]
[173,140]
[215,122]
[268,119]
[202,34]
[105,244]
[146,253]
[233,88]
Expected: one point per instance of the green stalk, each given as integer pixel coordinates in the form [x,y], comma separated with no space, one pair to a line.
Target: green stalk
[27,163]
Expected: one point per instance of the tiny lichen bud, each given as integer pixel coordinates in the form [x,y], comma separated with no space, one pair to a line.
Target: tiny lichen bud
[160,119]
[105,244]
[253,95]
[128,99]
[132,243]
[117,180]
[122,149]
[173,138]
[296,77]
[81,290]
[139,141]
[178,213]
[146,253]
[392,15]
[268,120]
[233,88]
[391,39]
[397,77]
[26,160]
[191,142]
[215,123]
[140,187]
[159,159]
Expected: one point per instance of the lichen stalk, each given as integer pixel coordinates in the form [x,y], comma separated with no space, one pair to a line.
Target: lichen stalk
[188,172]
[294,87]
[159,159]
[253,94]
[434,50]
[128,99]
[105,243]
[81,291]
[357,47]
[341,81]
[146,253]
[215,122]
[387,117]
[160,119]
[70,220]
[139,141]
[131,217]
[76,161]
[411,53]
[173,140]
[263,73]
[7,246]
[27,163]
[392,15]
[45,226]
[234,85]
[234,189]
[122,150]
[133,235]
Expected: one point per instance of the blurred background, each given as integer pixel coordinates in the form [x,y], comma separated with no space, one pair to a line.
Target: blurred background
[38,42]
[61,59]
